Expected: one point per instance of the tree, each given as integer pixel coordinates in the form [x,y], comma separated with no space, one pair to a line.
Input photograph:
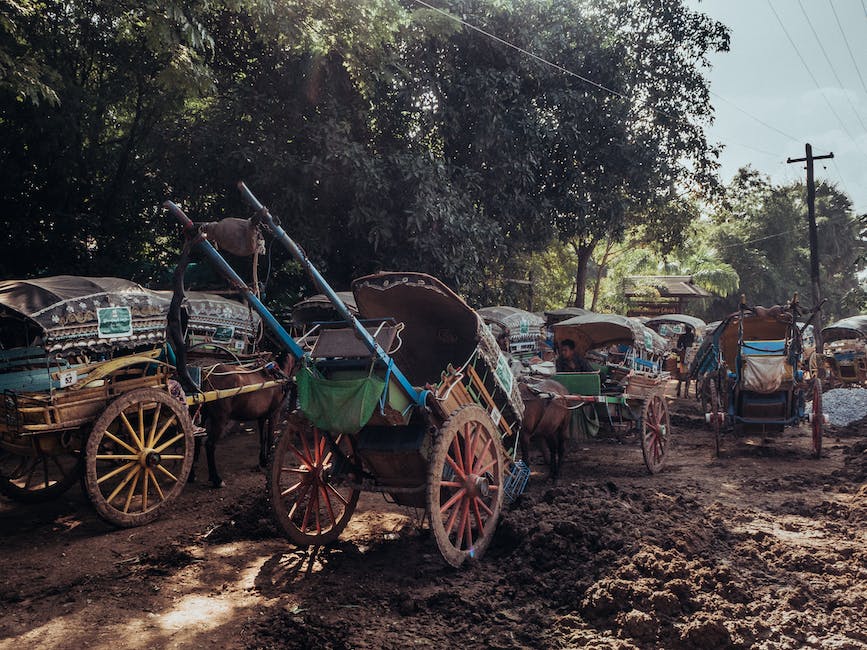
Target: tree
[761,231]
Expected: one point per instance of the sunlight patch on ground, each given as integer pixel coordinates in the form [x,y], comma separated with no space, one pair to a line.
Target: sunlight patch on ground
[181,623]
[791,528]
[203,612]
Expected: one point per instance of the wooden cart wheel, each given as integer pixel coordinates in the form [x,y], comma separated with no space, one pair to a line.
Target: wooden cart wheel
[465,484]
[655,432]
[138,456]
[817,420]
[813,364]
[37,468]
[310,502]
[704,394]
[715,423]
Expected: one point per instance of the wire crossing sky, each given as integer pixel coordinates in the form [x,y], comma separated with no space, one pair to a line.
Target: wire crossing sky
[791,68]
[759,81]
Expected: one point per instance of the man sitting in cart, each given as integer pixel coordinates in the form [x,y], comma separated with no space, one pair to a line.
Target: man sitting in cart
[569,360]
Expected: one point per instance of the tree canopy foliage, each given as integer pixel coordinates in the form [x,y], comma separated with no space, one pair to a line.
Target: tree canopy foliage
[384,133]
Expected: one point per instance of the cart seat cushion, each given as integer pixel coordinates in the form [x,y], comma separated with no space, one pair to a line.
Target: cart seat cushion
[765,374]
[345,343]
[580,383]
[763,348]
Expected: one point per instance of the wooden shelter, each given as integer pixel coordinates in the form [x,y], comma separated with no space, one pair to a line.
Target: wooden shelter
[673,292]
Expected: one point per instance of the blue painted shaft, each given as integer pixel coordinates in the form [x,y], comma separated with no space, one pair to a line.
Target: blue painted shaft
[418,397]
[205,247]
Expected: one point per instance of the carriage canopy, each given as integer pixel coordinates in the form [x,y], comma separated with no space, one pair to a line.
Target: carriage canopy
[593,331]
[440,329]
[72,313]
[691,322]
[318,308]
[854,327]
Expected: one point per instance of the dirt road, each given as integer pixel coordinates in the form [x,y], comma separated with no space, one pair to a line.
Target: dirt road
[764,547]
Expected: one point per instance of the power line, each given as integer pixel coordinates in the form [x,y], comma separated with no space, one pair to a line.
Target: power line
[848,47]
[784,232]
[599,85]
[809,72]
[616,93]
[842,180]
[530,54]
[831,65]
[757,119]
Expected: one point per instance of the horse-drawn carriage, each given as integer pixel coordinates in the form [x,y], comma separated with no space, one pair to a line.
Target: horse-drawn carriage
[88,386]
[416,402]
[628,386]
[751,379]
[520,333]
[684,334]
[845,352]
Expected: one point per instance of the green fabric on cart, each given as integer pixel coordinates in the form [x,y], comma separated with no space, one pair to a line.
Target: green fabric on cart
[338,405]
[585,421]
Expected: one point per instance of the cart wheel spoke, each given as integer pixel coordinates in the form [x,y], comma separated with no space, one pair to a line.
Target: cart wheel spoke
[130,430]
[132,473]
[156,483]
[457,469]
[165,426]
[458,462]
[154,425]
[131,490]
[479,523]
[481,457]
[115,472]
[111,436]
[169,443]
[485,507]
[455,498]
[167,473]
[144,489]
[291,489]
[333,491]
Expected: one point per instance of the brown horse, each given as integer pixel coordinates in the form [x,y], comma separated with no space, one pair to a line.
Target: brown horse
[264,406]
[545,417]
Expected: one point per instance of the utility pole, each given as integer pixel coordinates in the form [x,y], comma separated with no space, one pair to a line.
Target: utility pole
[814,246]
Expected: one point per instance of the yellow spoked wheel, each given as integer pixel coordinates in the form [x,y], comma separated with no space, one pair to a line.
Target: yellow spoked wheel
[138,456]
[465,485]
[38,468]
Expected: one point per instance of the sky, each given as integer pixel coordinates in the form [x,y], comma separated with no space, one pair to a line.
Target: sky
[764,76]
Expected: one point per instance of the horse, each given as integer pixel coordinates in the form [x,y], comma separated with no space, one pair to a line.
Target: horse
[264,406]
[545,417]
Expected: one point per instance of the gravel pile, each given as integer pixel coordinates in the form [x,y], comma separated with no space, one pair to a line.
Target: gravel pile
[845,405]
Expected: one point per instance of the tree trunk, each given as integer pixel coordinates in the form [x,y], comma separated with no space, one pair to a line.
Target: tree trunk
[600,269]
[584,252]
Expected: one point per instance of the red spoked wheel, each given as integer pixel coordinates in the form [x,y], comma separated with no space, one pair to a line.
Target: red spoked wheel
[715,423]
[655,432]
[312,500]
[817,419]
[465,485]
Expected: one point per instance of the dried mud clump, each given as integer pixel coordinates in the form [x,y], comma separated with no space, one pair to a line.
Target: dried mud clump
[706,631]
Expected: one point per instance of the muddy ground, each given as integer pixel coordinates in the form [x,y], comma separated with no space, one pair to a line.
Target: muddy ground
[765,547]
